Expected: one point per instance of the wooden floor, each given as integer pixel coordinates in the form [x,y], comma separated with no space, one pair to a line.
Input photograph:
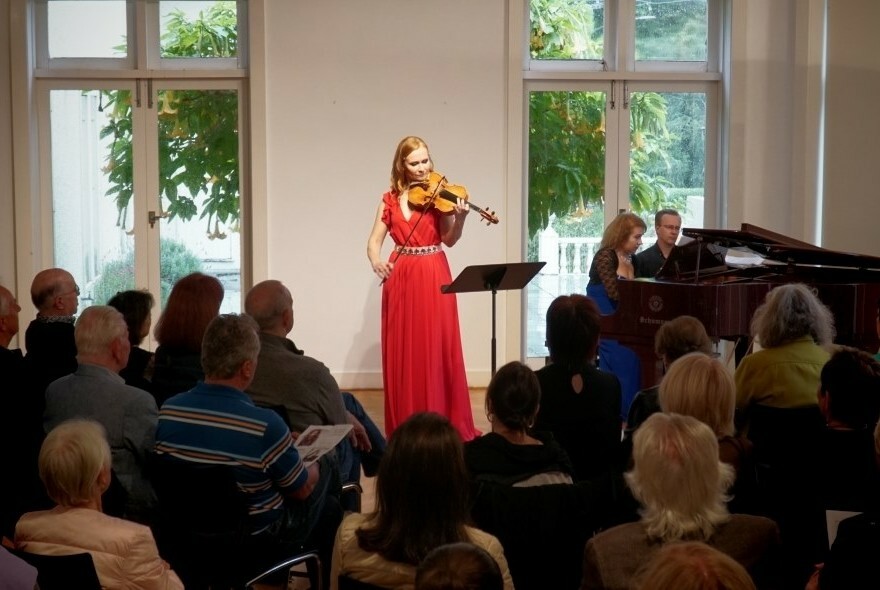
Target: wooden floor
[374,403]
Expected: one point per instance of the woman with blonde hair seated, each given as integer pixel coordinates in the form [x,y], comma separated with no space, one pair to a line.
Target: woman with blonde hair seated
[74,465]
[692,565]
[701,386]
[680,484]
[421,503]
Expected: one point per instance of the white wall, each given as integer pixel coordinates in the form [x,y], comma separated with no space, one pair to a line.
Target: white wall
[345,81]
[852,129]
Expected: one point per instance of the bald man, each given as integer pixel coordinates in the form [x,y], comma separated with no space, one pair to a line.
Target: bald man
[303,385]
[9,309]
[51,349]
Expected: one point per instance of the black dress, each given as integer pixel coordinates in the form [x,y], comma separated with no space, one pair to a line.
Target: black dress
[586,424]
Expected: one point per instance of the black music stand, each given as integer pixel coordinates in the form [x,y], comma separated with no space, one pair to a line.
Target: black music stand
[493,277]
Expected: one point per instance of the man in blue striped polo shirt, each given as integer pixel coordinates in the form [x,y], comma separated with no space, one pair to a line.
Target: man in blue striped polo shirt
[217,423]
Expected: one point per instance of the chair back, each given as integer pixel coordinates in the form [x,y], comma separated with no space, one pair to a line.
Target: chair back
[201,522]
[57,572]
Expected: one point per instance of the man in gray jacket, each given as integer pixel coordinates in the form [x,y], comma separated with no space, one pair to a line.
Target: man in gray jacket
[95,390]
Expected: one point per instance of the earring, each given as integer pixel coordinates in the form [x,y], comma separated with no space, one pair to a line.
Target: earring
[490,416]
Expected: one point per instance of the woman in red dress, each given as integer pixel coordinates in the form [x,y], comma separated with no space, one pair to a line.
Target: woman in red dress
[422,361]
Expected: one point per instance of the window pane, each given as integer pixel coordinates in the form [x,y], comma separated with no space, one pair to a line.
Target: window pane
[667,156]
[566,210]
[92,238]
[566,29]
[87,28]
[195,28]
[671,30]
[199,185]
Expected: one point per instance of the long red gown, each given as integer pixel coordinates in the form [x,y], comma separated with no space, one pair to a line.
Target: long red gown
[422,361]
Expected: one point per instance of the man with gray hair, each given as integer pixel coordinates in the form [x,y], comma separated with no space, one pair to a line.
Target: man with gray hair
[217,423]
[49,340]
[97,391]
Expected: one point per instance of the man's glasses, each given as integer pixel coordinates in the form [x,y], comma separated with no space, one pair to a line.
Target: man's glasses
[671,227]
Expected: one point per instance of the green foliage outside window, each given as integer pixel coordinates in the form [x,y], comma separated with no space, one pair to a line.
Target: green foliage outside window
[176,261]
[198,130]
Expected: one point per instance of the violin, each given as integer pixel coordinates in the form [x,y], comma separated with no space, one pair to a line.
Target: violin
[436,192]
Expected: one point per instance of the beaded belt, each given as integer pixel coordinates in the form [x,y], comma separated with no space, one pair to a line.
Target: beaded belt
[418,250]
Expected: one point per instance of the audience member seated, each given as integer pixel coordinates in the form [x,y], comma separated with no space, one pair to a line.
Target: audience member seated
[51,349]
[296,505]
[700,386]
[673,340]
[778,410]
[580,404]
[514,475]
[21,425]
[794,330]
[194,301]
[459,566]
[304,386]
[681,485]
[96,391]
[849,394]
[851,563]
[75,467]
[422,503]
[136,307]
[691,565]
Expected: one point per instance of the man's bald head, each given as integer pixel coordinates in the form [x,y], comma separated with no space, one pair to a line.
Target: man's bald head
[54,292]
[269,303]
[9,309]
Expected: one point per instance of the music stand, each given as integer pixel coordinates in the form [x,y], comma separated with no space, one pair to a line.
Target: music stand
[493,277]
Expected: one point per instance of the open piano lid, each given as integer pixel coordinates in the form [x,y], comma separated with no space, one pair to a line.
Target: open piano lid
[706,255]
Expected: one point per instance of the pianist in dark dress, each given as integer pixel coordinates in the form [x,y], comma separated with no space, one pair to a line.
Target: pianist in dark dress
[612,262]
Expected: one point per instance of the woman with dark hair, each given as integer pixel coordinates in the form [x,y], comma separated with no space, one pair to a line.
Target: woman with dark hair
[421,503]
[522,488]
[580,404]
[194,301]
[136,307]
[611,263]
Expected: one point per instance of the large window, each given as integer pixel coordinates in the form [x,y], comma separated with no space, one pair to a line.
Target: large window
[140,131]
[622,102]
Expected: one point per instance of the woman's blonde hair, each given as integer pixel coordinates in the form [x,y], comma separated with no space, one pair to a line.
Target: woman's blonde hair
[407,145]
[618,231]
[692,565]
[72,457]
[700,386]
[678,478]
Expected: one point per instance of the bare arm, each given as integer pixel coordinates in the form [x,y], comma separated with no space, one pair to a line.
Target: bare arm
[453,224]
[374,246]
[305,490]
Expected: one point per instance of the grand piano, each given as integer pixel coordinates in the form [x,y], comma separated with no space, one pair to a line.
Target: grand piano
[721,277]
